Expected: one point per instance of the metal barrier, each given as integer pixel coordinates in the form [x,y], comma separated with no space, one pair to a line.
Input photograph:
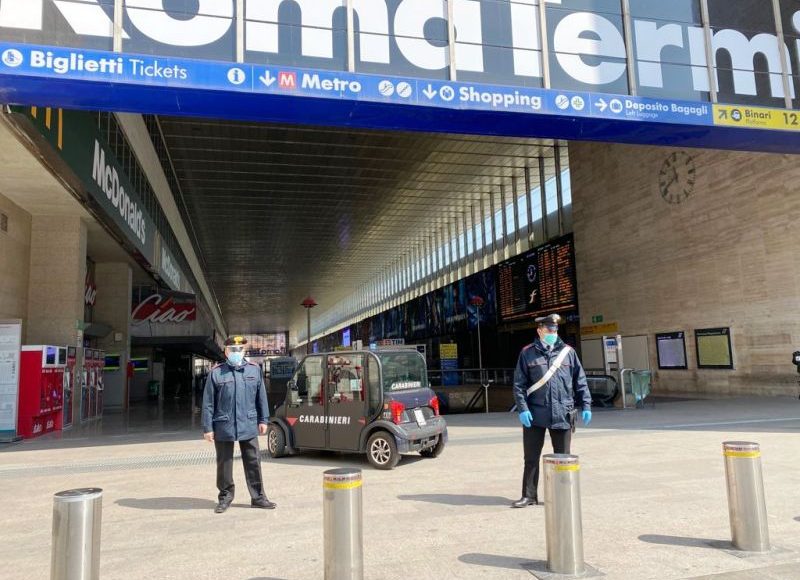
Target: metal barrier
[343,524]
[477,377]
[746,504]
[77,518]
[603,388]
[562,514]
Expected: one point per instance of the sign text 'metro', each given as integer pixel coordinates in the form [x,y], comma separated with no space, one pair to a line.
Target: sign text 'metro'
[577,44]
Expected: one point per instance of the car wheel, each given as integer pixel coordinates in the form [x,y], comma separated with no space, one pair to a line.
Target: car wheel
[382,451]
[434,451]
[276,442]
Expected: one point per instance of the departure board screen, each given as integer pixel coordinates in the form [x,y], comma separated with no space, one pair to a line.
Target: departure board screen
[538,282]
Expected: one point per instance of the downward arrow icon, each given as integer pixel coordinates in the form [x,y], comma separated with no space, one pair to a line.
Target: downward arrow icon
[429,92]
[267,79]
[602,105]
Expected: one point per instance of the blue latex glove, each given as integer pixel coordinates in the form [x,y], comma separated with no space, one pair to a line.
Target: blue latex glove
[526,418]
[587,418]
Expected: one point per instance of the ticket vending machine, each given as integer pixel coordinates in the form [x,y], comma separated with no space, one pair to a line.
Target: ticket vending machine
[83,377]
[86,390]
[91,364]
[99,365]
[41,389]
[70,378]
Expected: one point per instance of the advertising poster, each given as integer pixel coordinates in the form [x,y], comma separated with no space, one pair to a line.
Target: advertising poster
[420,328]
[273,344]
[448,356]
[454,306]
[714,349]
[482,284]
[671,350]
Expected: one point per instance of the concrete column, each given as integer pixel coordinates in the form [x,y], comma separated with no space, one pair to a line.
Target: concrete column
[113,307]
[15,257]
[57,280]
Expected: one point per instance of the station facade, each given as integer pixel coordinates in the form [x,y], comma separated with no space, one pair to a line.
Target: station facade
[656,142]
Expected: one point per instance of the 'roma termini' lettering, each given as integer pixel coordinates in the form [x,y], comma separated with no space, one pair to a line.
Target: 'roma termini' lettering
[586,46]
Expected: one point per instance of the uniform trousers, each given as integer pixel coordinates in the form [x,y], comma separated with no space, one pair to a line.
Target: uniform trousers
[252,469]
[533,441]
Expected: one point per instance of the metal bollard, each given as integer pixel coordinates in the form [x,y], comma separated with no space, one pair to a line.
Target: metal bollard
[562,514]
[746,505]
[342,518]
[77,515]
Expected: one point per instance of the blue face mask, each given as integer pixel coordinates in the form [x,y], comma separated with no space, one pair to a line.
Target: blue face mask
[550,339]
[235,358]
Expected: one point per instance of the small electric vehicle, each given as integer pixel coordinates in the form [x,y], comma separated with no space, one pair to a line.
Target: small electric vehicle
[373,402]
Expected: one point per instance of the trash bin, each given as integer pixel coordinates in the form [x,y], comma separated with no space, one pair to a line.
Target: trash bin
[153,390]
[641,382]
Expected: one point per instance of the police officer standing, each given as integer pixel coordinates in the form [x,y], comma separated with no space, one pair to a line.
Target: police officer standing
[235,409]
[549,383]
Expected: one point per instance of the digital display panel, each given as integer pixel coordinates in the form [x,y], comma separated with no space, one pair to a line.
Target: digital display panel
[538,282]
[346,337]
[140,365]
[112,362]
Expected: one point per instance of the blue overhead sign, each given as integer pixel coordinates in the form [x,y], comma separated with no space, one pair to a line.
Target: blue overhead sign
[213,88]
[98,66]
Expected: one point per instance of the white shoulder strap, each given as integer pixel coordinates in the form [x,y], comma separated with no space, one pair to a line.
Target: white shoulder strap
[552,370]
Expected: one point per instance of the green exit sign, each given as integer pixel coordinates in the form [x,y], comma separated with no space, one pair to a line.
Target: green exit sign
[597,318]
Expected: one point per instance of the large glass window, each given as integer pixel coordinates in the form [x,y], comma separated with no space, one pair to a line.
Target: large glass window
[345,378]
[522,212]
[669,49]
[587,47]
[511,222]
[374,379]
[403,370]
[498,225]
[307,389]
[746,52]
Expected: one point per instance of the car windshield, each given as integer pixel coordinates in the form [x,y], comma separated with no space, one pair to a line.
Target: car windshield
[403,370]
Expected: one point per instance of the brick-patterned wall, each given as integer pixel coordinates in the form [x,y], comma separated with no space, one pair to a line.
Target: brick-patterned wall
[728,256]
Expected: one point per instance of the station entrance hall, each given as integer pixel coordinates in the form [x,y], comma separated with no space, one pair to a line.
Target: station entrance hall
[381,204]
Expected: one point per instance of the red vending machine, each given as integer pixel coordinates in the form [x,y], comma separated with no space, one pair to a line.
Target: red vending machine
[100,363]
[71,378]
[41,385]
[85,387]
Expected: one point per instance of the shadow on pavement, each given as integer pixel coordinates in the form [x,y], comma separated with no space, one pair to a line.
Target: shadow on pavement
[686,541]
[334,459]
[167,503]
[495,561]
[458,500]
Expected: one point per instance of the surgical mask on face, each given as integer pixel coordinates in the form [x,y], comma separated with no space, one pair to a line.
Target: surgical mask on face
[235,358]
[550,339]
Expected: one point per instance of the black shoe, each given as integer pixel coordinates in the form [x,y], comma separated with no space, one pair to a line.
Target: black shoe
[222,507]
[525,502]
[263,503]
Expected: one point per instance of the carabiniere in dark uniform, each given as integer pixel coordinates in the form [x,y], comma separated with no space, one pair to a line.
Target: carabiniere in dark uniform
[547,404]
[235,408]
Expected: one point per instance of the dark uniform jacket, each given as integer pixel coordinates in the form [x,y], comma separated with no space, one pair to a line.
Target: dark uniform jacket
[234,402]
[566,389]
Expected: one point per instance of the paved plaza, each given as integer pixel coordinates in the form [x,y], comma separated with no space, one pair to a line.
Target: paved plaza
[652,481]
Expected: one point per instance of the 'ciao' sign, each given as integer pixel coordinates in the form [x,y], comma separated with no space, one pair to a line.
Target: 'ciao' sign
[165,307]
